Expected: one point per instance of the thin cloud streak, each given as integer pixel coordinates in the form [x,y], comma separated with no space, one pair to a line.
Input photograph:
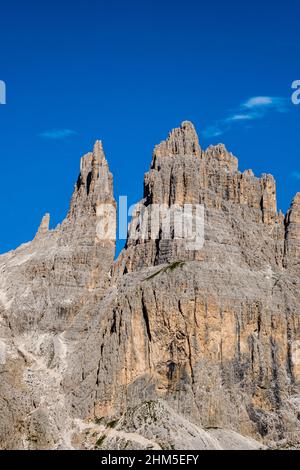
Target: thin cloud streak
[241,117]
[57,134]
[266,102]
[258,101]
[256,107]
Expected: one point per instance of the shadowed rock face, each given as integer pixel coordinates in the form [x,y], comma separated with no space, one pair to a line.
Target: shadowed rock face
[166,347]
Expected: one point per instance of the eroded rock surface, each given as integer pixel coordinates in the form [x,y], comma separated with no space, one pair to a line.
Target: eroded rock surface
[166,347]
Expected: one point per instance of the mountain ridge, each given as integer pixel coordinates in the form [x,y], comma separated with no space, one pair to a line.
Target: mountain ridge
[213,342]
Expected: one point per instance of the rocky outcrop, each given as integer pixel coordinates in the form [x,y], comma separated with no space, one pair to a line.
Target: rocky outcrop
[43,285]
[173,345]
[44,226]
[292,238]
[181,173]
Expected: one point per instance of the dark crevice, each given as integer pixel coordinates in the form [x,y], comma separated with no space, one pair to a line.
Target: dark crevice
[157,241]
[275,367]
[98,370]
[238,336]
[88,182]
[146,318]
[190,360]
[262,207]
[171,367]
[259,418]
[259,322]
[120,327]
[189,344]
[251,340]
[113,328]
[289,346]
[79,182]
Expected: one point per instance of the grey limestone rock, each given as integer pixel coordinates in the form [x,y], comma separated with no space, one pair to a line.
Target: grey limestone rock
[165,347]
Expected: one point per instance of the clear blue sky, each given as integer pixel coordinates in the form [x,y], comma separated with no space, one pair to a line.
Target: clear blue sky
[126,73]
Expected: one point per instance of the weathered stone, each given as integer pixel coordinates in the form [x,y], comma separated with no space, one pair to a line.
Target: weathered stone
[44,226]
[292,239]
[166,347]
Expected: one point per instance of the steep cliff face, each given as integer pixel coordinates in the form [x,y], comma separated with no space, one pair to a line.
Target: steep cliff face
[240,209]
[292,238]
[170,346]
[43,285]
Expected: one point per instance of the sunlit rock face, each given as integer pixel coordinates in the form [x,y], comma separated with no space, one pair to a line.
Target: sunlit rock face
[292,239]
[167,346]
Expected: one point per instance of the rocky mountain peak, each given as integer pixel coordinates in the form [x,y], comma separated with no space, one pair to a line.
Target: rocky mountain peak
[218,157]
[179,347]
[296,200]
[181,141]
[182,174]
[44,226]
[99,158]
[94,184]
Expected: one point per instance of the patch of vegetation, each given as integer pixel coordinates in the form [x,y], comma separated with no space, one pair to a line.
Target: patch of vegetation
[171,267]
[151,410]
[98,420]
[100,441]
[166,445]
[149,402]
[112,424]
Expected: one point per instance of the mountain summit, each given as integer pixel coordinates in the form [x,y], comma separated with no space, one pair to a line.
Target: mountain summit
[166,347]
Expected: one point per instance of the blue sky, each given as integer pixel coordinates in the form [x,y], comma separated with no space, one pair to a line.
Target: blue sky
[128,72]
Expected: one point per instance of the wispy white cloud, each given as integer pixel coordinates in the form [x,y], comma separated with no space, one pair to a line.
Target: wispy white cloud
[57,134]
[296,174]
[258,101]
[266,102]
[213,131]
[240,117]
[256,107]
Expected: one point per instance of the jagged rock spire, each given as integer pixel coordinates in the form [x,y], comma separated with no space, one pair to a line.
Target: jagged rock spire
[98,154]
[44,226]
[181,141]
[181,173]
[94,184]
[92,210]
[292,234]
[268,200]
